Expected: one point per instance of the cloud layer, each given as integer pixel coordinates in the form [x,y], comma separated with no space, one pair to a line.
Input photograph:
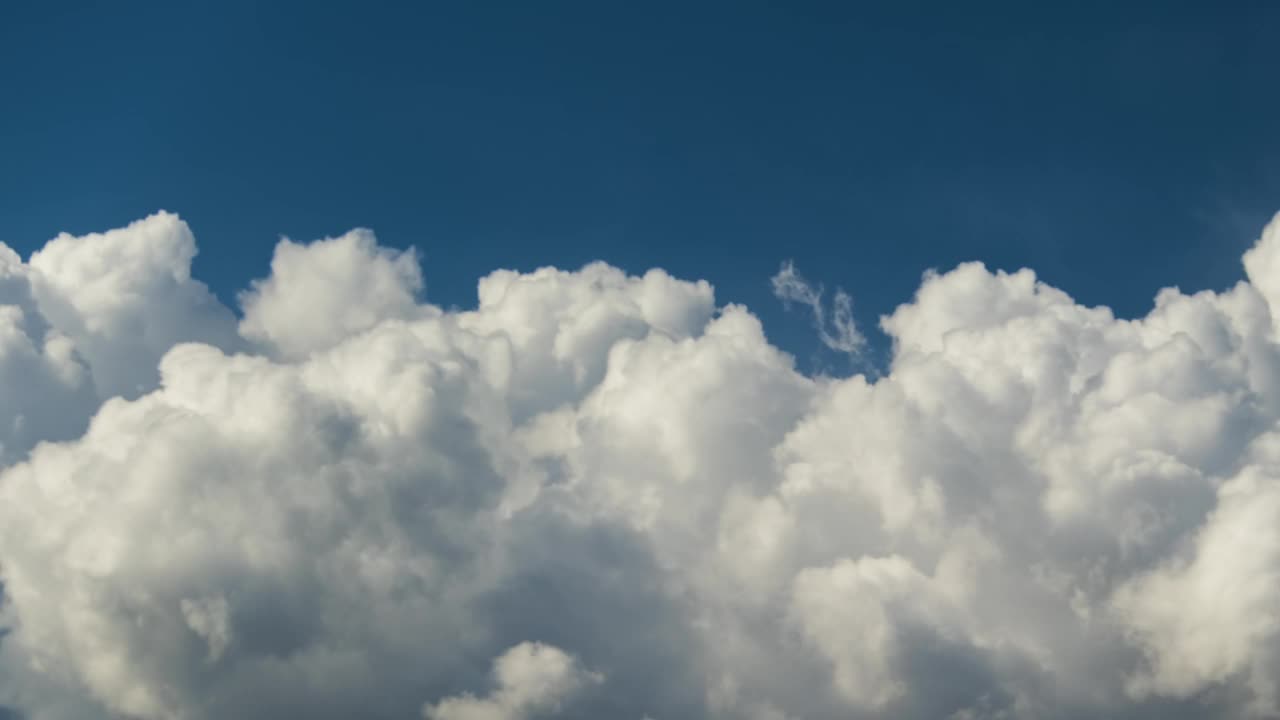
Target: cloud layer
[598,495]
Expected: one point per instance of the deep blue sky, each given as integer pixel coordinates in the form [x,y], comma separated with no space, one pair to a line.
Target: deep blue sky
[1113,149]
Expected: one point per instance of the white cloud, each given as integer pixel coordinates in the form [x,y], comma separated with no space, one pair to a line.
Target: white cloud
[530,678]
[88,318]
[126,296]
[839,332]
[853,612]
[1205,618]
[48,392]
[321,293]
[352,507]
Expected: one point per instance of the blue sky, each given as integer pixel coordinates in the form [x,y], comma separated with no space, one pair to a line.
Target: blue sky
[1113,149]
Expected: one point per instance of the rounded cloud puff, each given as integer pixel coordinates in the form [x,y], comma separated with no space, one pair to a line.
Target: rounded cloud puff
[597,495]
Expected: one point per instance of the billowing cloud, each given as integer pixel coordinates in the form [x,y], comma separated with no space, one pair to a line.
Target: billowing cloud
[530,677]
[125,297]
[319,294]
[600,495]
[88,318]
[48,392]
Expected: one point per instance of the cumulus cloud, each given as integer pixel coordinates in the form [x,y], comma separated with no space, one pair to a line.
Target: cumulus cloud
[88,318]
[126,296]
[1214,614]
[321,293]
[602,495]
[530,677]
[48,392]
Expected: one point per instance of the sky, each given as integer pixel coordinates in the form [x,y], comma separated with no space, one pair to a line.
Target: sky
[865,141]
[567,361]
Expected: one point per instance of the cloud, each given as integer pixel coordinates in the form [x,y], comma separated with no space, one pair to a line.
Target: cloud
[839,332]
[88,318]
[125,297]
[530,677]
[1211,615]
[48,392]
[321,293]
[602,495]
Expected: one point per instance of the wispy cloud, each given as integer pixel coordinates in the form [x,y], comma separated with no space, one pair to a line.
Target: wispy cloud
[838,331]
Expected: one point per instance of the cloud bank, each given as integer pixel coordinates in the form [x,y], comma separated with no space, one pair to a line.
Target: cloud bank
[598,495]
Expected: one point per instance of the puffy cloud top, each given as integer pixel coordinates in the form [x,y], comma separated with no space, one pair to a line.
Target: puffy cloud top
[321,293]
[126,296]
[598,495]
[531,677]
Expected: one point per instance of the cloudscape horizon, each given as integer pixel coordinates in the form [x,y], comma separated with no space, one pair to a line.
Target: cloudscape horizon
[596,494]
